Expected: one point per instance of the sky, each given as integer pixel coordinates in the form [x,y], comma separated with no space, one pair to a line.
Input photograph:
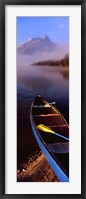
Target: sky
[56,28]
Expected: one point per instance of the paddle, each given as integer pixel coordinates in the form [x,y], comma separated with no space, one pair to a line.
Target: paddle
[44,128]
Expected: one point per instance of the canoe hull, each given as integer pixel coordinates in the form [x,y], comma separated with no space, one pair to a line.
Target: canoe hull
[47,153]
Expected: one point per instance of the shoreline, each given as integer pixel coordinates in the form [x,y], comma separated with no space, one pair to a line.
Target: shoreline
[37,171]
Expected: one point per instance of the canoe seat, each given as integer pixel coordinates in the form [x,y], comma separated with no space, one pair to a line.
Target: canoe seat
[60,147]
[41,106]
[60,125]
[46,115]
[49,120]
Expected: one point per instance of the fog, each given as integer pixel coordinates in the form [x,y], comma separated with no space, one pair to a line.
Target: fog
[26,60]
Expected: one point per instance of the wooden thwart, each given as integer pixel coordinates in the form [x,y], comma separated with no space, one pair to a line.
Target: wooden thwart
[46,115]
[60,125]
[41,106]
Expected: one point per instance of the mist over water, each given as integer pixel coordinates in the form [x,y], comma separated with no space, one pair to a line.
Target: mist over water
[35,54]
[52,83]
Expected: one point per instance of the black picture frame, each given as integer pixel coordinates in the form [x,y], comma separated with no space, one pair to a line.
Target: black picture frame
[3,3]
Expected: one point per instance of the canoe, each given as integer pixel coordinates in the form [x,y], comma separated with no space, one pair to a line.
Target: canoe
[51,131]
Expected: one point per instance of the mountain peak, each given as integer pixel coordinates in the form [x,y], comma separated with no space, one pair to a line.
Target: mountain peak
[38,44]
[30,39]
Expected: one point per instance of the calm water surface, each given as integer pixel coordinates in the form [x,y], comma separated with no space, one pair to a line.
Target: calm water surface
[52,83]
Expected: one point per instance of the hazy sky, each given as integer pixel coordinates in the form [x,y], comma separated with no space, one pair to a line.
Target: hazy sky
[57,28]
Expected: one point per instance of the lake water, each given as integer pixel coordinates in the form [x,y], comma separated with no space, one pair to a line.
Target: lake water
[51,82]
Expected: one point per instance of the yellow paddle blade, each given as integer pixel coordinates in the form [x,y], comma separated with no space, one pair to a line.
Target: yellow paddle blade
[44,128]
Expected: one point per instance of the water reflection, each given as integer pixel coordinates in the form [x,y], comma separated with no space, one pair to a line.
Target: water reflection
[51,83]
[65,73]
[45,79]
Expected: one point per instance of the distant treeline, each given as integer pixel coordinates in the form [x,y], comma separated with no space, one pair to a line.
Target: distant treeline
[61,62]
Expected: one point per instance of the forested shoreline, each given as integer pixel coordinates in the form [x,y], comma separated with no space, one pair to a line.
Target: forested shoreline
[61,62]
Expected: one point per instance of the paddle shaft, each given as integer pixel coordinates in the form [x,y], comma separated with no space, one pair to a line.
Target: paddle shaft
[60,135]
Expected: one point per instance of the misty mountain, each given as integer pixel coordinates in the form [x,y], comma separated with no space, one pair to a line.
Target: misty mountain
[37,45]
[38,49]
